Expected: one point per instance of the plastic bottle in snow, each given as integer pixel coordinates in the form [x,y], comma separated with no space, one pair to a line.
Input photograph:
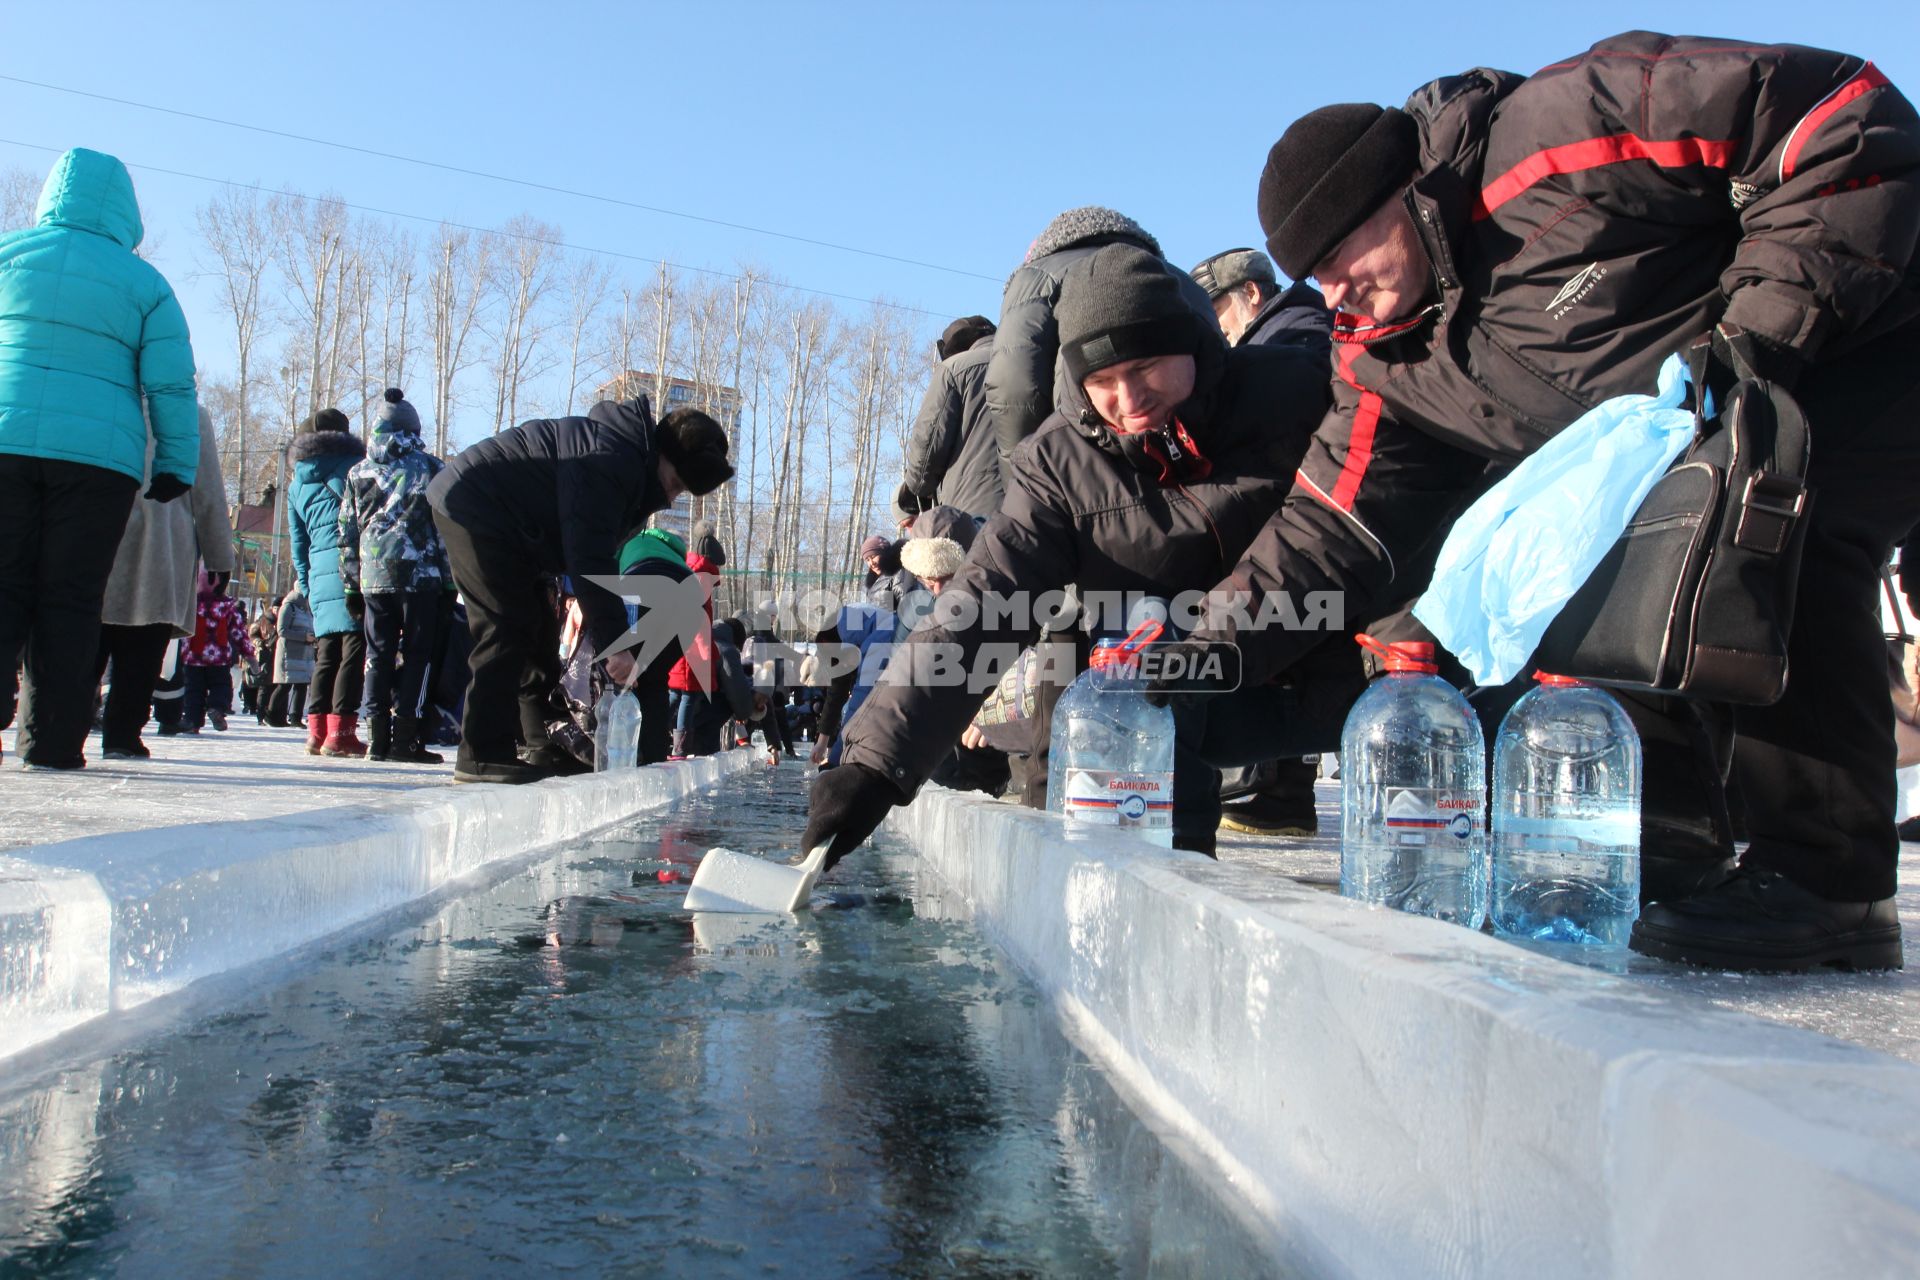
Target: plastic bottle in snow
[1111,763]
[1566,817]
[1413,776]
[616,736]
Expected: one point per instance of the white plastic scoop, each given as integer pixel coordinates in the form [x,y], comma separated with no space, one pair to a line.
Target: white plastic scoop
[731,881]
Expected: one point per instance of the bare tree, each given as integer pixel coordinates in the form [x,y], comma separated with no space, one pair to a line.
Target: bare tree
[311,239]
[585,292]
[660,294]
[399,266]
[237,229]
[522,276]
[19,197]
[456,292]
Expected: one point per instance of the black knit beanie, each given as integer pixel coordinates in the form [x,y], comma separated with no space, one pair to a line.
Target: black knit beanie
[1122,303]
[961,335]
[697,448]
[325,420]
[1328,173]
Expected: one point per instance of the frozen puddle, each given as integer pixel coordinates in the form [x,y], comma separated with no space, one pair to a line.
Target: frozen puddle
[567,1073]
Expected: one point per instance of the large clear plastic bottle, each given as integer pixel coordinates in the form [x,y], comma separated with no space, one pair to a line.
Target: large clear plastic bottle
[1566,817]
[1413,777]
[616,738]
[1111,762]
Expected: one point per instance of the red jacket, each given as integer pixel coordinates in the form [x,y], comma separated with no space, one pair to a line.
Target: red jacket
[682,677]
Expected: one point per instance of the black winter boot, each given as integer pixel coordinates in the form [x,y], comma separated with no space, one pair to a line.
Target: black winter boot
[380,735]
[407,745]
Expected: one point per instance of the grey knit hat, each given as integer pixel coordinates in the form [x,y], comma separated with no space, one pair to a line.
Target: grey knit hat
[1121,303]
[1227,271]
[1091,224]
[396,414]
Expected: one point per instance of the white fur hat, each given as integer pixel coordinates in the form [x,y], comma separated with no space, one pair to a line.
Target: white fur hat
[932,557]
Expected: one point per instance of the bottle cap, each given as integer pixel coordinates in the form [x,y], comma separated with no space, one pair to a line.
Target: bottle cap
[1403,655]
[1557,682]
[1111,653]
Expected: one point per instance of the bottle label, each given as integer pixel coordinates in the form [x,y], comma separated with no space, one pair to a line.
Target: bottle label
[1423,815]
[1109,798]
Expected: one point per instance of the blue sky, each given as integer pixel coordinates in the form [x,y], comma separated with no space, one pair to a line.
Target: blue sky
[949,134]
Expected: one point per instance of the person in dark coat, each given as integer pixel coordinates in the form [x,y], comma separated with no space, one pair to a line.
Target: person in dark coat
[1168,456]
[1255,311]
[324,451]
[1507,253]
[1020,375]
[953,457]
[549,497]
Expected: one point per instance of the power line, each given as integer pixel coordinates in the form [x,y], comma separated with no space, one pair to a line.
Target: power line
[500,177]
[487,231]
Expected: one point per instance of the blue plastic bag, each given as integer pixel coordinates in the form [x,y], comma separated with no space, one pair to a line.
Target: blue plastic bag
[1519,553]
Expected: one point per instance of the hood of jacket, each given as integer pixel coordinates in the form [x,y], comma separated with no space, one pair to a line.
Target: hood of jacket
[1091,224]
[312,446]
[390,445]
[91,191]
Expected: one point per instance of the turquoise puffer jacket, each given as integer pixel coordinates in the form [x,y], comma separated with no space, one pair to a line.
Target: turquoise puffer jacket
[87,328]
[321,460]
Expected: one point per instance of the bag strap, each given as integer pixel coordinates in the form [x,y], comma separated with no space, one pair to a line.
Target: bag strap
[1893,601]
[1770,447]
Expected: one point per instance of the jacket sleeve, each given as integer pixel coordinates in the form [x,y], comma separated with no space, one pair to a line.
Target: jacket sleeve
[212,524]
[1820,158]
[936,680]
[166,379]
[350,536]
[935,439]
[592,501]
[1371,497]
[298,540]
[1020,374]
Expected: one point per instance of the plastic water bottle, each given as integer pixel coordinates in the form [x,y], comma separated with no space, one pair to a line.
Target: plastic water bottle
[1111,763]
[616,739]
[1566,817]
[1413,777]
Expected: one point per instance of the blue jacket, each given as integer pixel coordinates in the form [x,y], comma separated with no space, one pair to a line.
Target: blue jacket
[87,329]
[321,462]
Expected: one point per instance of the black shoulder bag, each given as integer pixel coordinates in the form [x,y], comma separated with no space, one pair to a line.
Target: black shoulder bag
[1696,598]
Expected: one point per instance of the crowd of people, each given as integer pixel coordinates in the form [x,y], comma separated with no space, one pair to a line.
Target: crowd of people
[1493,259]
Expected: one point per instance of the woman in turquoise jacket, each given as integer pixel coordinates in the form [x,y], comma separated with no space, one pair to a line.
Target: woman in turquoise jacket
[323,452]
[94,355]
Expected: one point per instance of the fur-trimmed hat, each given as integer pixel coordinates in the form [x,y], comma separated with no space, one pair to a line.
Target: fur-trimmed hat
[325,420]
[932,557]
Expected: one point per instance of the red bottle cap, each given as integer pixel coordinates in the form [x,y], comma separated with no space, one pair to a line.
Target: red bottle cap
[1403,655]
[1557,682]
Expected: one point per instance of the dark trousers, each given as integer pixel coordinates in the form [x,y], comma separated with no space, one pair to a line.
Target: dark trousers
[60,525]
[135,654]
[656,707]
[287,704]
[400,634]
[339,662]
[208,689]
[1816,768]
[515,657]
[1299,714]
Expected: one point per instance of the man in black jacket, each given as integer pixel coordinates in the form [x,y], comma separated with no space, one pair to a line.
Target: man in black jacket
[1506,254]
[545,498]
[1166,457]
[953,458]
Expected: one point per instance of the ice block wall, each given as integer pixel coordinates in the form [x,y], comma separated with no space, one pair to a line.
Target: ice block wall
[1393,1096]
[107,922]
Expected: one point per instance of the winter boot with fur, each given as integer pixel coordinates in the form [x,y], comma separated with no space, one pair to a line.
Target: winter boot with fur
[342,740]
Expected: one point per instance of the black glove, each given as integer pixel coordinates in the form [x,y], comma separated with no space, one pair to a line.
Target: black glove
[356,607]
[848,803]
[1192,671]
[166,488]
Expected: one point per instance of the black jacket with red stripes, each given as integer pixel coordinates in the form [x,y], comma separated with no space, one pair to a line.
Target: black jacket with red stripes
[1583,224]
